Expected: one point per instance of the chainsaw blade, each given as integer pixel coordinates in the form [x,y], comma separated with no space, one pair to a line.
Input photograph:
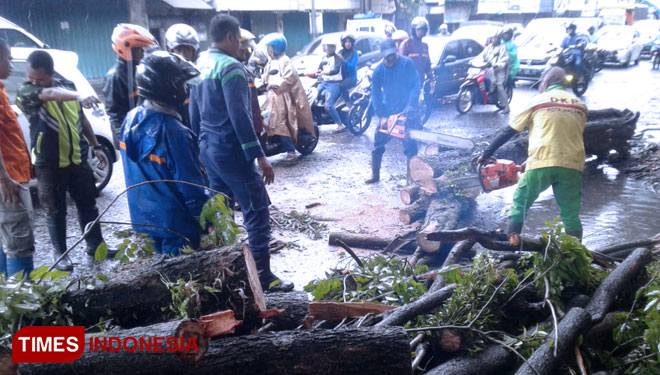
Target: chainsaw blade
[464,183]
[441,139]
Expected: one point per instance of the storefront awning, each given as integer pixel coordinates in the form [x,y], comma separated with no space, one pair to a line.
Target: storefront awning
[188,4]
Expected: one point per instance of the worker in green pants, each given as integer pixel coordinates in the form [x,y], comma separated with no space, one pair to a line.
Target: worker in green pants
[556,153]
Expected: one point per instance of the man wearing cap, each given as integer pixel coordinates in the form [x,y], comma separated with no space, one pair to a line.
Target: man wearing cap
[556,122]
[395,89]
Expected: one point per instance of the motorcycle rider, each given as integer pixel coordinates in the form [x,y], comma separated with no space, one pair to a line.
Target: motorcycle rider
[399,37]
[287,99]
[349,66]
[395,89]
[556,122]
[655,44]
[156,145]
[512,49]
[443,30]
[183,40]
[417,50]
[331,74]
[119,89]
[497,58]
[575,43]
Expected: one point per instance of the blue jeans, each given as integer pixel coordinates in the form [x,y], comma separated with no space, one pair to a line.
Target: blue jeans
[577,55]
[332,92]
[240,179]
[287,144]
[172,245]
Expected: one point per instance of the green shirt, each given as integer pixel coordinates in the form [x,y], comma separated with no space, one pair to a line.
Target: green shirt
[513,58]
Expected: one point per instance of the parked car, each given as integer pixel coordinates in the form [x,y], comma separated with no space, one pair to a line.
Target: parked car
[648,30]
[478,30]
[22,44]
[622,44]
[308,59]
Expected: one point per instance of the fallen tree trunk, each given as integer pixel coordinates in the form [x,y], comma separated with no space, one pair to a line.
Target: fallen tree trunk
[295,306]
[453,257]
[337,311]
[136,299]
[616,281]
[648,242]
[312,352]
[494,360]
[440,215]
[410,194]
[575,323]
[360,241]
[415,211]
[423,305]
[427,167]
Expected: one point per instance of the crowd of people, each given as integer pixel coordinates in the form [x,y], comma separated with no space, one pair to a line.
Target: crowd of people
[187,123]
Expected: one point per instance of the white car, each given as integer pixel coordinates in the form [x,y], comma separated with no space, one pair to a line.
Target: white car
[622,43]
[22,44]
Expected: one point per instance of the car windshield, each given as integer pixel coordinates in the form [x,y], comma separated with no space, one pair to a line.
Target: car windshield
[615,36]
[531,39]
[16,38]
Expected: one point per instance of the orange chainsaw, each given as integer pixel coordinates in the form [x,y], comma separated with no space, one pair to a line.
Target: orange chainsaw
[498,174]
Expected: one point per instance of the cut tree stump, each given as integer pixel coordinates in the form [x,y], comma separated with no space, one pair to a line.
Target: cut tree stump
[415,211]
[295,306]
[427,167]
[440,215]
[410,194]
[136,299]
[308,352]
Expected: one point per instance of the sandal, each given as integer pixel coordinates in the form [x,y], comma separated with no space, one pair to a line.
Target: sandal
[340,129]
[290,157]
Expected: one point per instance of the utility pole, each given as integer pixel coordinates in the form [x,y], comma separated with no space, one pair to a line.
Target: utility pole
[313,15]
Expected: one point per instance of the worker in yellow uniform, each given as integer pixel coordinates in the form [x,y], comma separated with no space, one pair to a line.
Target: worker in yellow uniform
[556,153]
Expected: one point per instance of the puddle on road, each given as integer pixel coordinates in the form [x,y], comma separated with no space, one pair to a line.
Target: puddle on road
[615,208]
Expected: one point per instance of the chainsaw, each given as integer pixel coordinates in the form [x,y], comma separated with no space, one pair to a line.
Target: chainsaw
[498,174]
[395,126]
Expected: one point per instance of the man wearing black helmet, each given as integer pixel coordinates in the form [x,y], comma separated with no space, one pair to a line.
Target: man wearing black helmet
[575,43]
[395,89]
[155,145]
[349,66]
[417,50]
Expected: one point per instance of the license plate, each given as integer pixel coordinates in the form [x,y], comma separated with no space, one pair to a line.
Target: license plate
[473,71]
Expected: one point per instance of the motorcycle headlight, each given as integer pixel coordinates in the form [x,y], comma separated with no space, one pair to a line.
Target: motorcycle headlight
[569,78]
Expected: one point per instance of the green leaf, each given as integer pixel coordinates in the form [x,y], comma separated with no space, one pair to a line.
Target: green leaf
[102,277]
[101,252]
[274,283]
[57,274]
[38,273]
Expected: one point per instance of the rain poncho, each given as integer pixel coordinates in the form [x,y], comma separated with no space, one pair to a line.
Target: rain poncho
[156,146]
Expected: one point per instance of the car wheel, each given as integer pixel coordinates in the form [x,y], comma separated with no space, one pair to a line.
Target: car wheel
[464,101]
[101,175]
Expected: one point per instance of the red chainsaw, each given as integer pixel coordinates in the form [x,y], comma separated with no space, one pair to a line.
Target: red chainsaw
[497,174]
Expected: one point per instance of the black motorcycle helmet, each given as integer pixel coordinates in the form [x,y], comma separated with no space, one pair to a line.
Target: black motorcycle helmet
[419,23]
[572,26]
[348,36]
[162,77]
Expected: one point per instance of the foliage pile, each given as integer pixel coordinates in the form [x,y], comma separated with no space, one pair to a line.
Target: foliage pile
[297,222]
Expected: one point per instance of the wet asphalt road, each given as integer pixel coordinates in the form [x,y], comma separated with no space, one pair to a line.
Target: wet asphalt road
[333,176]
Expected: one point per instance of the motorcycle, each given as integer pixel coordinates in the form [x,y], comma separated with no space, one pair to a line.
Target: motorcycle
[475,89]
[316,101]
[361,112]
[272,144]
[565,60]
[655,55]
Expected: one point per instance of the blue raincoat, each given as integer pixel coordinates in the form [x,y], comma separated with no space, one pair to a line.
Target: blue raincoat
[157,146]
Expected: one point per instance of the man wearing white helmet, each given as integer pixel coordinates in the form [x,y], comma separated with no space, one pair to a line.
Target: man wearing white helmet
[183,40]
[330,72]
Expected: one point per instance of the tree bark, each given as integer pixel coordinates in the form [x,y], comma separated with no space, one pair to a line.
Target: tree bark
[295,306]
[415,211]
[359,240]
[136,299]
[410,194]
[309,352]
[493,360]
[440,215]
[616,281]
[575,323]
[337,311]
[426,167]
[425,304]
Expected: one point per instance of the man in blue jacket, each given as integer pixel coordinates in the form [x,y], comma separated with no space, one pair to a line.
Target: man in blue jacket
[155,145]
[394,89]
[220,109]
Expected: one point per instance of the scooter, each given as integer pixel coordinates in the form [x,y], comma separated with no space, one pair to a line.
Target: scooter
[272,144]
[475,89]
[565,60]
[361,112]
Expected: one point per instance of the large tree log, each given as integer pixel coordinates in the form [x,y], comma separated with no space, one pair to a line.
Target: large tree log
[410,194]
[575,323]
[309,352]
[137,298]
[617,281]
[361,241]
[494,360]
[295,306]
[337,311]
[415,211]
[426,167]
[440,215]
[423,305]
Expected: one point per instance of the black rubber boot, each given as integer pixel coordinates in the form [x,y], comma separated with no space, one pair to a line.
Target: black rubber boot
[376,160]
[575,233]
[57,230]
[267,278]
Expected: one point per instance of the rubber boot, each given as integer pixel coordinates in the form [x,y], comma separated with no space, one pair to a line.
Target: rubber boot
[575,233]
[57,229]
[16,265]
[267,278]
[3,262]
[376,160]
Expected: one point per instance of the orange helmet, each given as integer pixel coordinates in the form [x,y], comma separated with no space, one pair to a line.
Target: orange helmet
[127,36]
